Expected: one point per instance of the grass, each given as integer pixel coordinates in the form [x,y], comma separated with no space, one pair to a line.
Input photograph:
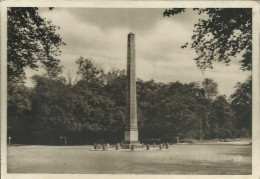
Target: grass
[179,159]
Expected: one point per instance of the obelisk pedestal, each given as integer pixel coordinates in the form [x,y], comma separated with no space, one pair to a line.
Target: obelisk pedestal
[131,133]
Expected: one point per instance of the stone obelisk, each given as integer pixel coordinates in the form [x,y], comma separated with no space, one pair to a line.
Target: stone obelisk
[131,133]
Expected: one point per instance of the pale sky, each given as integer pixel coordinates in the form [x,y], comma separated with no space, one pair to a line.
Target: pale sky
[101,34]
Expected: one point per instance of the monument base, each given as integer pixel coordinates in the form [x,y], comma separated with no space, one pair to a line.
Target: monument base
[131,138]
[128,145]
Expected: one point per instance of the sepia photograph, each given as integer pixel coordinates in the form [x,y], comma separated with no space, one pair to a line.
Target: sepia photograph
[129,90]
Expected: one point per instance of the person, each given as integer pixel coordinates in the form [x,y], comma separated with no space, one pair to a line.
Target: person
[167,145]
[148,147]
[132,147]
[117,146]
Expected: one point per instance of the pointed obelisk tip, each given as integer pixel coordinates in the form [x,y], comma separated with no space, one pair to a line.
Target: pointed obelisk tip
[131,34]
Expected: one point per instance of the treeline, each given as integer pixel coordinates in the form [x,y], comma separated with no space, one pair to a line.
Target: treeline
[91,109]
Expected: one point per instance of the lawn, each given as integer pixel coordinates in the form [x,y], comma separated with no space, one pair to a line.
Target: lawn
[211,159]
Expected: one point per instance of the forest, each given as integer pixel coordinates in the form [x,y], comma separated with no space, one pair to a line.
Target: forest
[91,107]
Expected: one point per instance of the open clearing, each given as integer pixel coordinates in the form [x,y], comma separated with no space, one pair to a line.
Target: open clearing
[211,159]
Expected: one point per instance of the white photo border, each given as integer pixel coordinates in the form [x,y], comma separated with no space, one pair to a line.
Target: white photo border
[132,4]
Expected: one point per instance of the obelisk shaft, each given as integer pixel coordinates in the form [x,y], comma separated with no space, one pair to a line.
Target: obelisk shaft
[131,133]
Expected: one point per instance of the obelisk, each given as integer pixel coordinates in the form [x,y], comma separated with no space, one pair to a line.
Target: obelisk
[131,133]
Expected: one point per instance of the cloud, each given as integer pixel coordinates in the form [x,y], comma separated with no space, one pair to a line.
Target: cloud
[109,18]
[101,34]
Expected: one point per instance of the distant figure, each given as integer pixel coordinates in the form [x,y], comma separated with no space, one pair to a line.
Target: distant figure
[160,146]
[148,147]
[132,147]
[167,145]
[9,140]
[177,140]
[117,146]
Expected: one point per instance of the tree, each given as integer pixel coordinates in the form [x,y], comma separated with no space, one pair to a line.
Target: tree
[115,90]
[93,109]
[147,103]
[18,111]
[225,33]
[223,117]
[210,87]
[115,87]
[241,102]
[51,110]
[90,73]
[168,110]
[31,39]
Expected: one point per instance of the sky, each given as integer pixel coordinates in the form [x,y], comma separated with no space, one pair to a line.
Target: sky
[100,34]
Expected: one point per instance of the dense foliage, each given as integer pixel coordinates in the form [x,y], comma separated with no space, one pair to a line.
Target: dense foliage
[222,33]
[93,109]
[32,41]
[242,106]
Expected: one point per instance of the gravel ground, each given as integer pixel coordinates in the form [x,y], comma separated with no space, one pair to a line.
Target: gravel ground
[190,159]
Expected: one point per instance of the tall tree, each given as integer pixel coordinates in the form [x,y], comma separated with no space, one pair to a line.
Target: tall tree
[241,102]
[224,33]
[90,73]
[51,110]
[31,39]
[18,111]
[210,87]
[223,117]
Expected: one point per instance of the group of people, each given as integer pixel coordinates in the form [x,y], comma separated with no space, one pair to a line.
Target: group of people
[132,146]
